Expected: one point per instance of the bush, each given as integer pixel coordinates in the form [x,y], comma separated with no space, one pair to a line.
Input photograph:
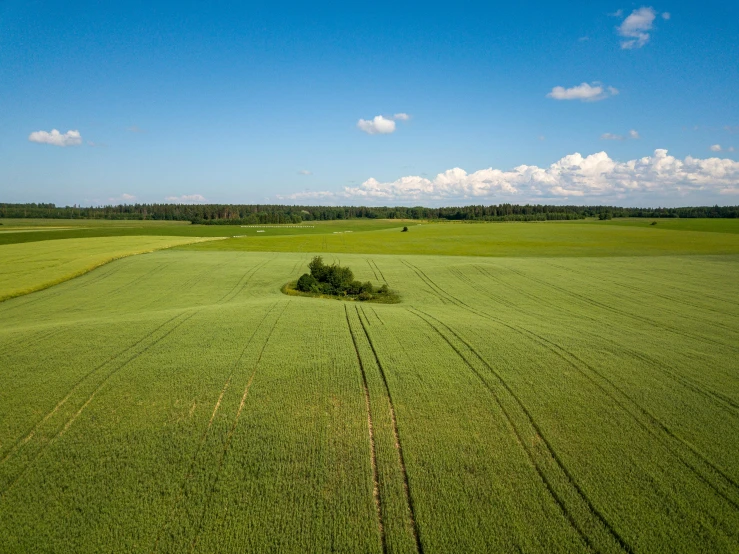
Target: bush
[339,281]
[307,283]
[405,230]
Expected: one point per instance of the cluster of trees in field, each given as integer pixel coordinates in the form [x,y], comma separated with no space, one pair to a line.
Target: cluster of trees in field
[261,214]
[337,281]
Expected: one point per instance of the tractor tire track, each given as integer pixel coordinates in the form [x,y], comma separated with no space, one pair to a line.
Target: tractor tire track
[231,431]
[242,282]
[373,450]
[29,434]
[380,272]
[654,422]
[723,402]
[372,269]
[45,446]
[193,460]
[550,488]
[626,314]
[670,299]
[401,457]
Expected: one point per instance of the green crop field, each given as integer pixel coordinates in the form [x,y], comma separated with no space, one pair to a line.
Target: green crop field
[541,387]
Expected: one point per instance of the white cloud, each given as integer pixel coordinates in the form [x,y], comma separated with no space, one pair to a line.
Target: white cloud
[716,148]
[617,13]
[186,199]
[135,129]
[574,176]
[401,116]
[55,138]
[583,92]
[377,126]
[124,198]
[666,16]
[611,136]
[305,172]
[634,28]
[634,134]
[730,148]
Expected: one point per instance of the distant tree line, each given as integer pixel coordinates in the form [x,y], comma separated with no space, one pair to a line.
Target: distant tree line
[261,214]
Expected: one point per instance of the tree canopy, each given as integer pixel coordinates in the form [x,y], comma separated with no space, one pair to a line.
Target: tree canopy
[336,280]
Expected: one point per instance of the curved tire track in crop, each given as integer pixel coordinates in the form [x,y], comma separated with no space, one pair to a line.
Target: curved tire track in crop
[624,313]
[401,458]
[29,434]
[723,402]
[725,481]
[242,282]
[711,475]
[44,446]
[520,439]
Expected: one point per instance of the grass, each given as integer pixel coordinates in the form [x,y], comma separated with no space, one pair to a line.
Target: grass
[556,387]
[550,239]
[27,268]
[34,230]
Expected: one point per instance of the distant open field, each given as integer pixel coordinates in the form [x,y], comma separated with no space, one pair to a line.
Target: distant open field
[541,387]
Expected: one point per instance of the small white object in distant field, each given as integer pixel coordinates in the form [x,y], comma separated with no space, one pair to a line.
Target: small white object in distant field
[260,231]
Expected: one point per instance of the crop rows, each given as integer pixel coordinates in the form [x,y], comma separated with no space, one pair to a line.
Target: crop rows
[178,401]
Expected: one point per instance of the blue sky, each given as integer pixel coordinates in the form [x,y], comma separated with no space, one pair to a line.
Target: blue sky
[228,102]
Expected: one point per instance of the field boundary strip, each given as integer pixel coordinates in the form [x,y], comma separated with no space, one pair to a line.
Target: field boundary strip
[46,445]
[88,269]
[396,436]
[373,450]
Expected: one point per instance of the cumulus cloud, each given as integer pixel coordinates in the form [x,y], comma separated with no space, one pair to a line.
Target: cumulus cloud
[634,28]
[377,126]
[634,134]
[574,176]
[617,13]
[401,116]
[716,148]
[730,149]
[186,199]
[55,138]
[583,92]
[305,172]
[666,16]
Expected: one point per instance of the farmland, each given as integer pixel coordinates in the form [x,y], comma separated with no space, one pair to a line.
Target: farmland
[548,387]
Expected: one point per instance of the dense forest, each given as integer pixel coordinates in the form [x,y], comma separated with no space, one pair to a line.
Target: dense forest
[245,214]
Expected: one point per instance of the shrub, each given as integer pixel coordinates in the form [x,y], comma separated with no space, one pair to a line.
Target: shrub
[307,283]
[364,296]
[405,230]
[383,289]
